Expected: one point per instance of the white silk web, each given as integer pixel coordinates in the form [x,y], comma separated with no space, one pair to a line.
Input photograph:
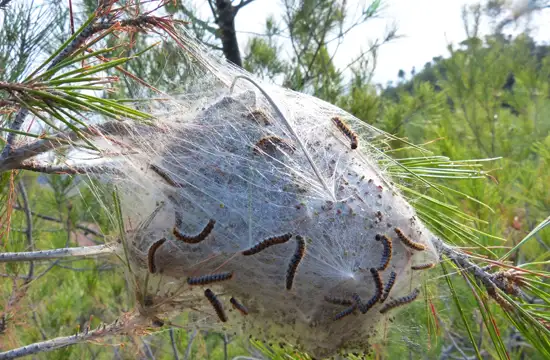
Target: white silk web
[224,167]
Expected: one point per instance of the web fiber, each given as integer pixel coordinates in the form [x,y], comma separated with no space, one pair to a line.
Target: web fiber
[207,158]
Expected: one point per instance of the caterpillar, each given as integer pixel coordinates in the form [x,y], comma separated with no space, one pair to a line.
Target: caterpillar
[374,299]
[238,306]
[386,255]
[164,176]
[344,128]
[423,266]
[388,287]
[344,313]
[337,301]
[378,282]
[197,238]
[408,242]
[258,114]
[295,261]
[208,279]
[270,142]
[267,243]
[400,301]
[151,255]
[216,304]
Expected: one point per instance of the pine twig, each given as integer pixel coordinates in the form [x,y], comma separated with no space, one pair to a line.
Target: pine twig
[115,328]
[76,252]
[140,22]
[51,218]
[28,231]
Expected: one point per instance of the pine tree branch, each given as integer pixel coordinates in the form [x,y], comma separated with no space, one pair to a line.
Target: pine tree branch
[139,22]
[242,4]
[115,328]
[174,347]
[4,3]
[76,252]
[28,231]
[18,156]
[50,218]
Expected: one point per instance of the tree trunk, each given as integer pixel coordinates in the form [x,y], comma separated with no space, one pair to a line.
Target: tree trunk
[226,22]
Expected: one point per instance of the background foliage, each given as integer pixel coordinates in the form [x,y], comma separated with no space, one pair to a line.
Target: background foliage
[488,98]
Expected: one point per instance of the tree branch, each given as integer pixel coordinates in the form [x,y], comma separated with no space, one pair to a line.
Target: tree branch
[17,157]
[115,328]
[242,4]
[88,32]
[50,218]
[28,232]
[174,347]
[76,252]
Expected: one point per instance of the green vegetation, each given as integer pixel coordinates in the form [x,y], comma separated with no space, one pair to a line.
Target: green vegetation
[489,98]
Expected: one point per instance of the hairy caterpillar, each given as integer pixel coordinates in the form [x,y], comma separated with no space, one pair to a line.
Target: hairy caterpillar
[337,301]
[151,255]
[208,279]
[164,175]
[423,266]
[271,141]
[378,282]
[256,114]
[295,261]
[374,299]
[238,306]
[388,287]
[408,242]
[267,243]
[344,128]
[400,301]
[386,255]
[197,238]
[344,313]
[216,304]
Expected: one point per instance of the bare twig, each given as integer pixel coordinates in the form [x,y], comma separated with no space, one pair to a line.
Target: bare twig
[242,4]
[18,156]
[190,344]
[28,232]
[76,252]
[50,218]
[4,3]
[174,347]
[116,328]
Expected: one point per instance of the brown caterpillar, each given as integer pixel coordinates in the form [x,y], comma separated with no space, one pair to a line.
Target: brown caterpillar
[254,115]
[208,279]
[377,281]
[164,176]
[216,304]
[386,255]
[197,238]
[337,301]
[295,261]
[267,243]
[423,266]
[408,242]
[344,313]
[388,287]
[238,306]
[400,301]
[272,141]
[151,255]
[344,128]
